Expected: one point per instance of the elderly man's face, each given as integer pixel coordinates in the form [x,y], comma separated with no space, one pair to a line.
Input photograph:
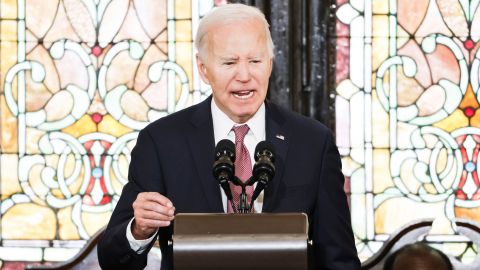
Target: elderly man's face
[237,67]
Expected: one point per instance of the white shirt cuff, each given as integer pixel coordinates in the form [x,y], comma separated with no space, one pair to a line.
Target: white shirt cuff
[138,246]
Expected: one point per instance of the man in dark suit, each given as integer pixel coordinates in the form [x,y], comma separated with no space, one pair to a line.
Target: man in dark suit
[171,165]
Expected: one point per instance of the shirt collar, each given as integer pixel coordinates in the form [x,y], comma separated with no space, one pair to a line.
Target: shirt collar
[222,124]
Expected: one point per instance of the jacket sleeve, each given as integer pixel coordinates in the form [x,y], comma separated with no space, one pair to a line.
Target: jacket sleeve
[333,242]
[144,174]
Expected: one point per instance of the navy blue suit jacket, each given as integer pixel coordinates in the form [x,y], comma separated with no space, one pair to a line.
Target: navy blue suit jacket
[174,156]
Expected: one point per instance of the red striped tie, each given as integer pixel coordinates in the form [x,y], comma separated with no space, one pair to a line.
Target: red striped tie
[243,166]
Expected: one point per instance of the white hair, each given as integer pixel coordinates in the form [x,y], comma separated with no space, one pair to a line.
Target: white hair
[230,13]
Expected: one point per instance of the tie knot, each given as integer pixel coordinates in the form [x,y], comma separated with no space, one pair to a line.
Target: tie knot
[240,132]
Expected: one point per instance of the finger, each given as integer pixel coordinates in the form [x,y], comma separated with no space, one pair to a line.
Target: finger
[152,223]
[153,206]
[155,196]
[153,215]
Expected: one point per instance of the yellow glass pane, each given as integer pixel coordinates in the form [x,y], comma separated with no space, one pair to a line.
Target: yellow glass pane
[9,178]
[29,221]
[380,24]
[380,47]
[454,121]
[184,59]
[469,99]
[74,187]
[380,122]
[36,183]
[8,9]
[407,176]
[95,221]
[66,229]
[83,126]
[183,9]
[183,31]
[8,57]
[380,7]
[441,161]
[475,120]
[8,126]
[8,30]
[112,127]
[408,89]
[117,185]
[430,188]
[37,95]
[58,193]
[381,170]
[468,213]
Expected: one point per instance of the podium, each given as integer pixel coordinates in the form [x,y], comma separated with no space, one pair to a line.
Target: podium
[240,241]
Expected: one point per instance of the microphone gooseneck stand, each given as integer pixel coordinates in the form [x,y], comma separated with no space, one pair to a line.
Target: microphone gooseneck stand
[243,206]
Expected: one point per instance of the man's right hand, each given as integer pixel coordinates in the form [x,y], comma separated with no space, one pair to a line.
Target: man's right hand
[151,210]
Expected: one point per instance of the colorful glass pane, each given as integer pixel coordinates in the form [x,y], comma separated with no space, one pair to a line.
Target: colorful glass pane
[79,79]
[407,121]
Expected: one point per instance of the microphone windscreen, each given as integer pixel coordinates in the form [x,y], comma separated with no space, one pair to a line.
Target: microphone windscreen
[227,146]
[262,147]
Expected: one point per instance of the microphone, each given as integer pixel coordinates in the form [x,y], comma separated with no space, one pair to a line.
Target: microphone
[264,169]
[223,167]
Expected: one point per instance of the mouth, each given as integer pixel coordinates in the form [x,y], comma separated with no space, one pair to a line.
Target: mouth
[243,94]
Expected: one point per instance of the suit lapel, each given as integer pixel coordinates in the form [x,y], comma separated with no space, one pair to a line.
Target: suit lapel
[278,135]
[202,145]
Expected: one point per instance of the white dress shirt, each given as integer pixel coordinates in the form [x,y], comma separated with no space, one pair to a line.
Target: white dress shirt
[222,129]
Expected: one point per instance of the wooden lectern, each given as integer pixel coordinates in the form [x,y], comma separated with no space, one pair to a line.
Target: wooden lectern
[240,241]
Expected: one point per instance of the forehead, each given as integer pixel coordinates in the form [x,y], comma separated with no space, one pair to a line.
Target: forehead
[238,37]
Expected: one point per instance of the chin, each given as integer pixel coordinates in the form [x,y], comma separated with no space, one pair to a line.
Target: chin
[244,115]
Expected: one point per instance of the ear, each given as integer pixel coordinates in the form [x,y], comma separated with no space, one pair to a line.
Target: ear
[202,69]
[270,66]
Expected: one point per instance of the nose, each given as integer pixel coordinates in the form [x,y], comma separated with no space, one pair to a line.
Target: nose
[243,72]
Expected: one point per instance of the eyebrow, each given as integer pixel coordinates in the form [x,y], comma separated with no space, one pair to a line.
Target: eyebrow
[228,58]
[233,58]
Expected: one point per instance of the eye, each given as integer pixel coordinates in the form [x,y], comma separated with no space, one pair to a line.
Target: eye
[255,61]
[229,63]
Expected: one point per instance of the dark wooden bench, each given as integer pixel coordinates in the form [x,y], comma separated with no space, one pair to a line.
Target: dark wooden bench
[411,233]
[414,231]
[87,259]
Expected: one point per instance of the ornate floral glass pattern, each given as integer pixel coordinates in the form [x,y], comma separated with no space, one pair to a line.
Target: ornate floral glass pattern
[408,115]
[79,79]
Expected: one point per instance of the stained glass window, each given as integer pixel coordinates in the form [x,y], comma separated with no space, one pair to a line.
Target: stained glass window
[79,79]
[408,118]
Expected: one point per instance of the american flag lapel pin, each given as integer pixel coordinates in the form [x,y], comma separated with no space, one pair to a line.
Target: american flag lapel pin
[280,136]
